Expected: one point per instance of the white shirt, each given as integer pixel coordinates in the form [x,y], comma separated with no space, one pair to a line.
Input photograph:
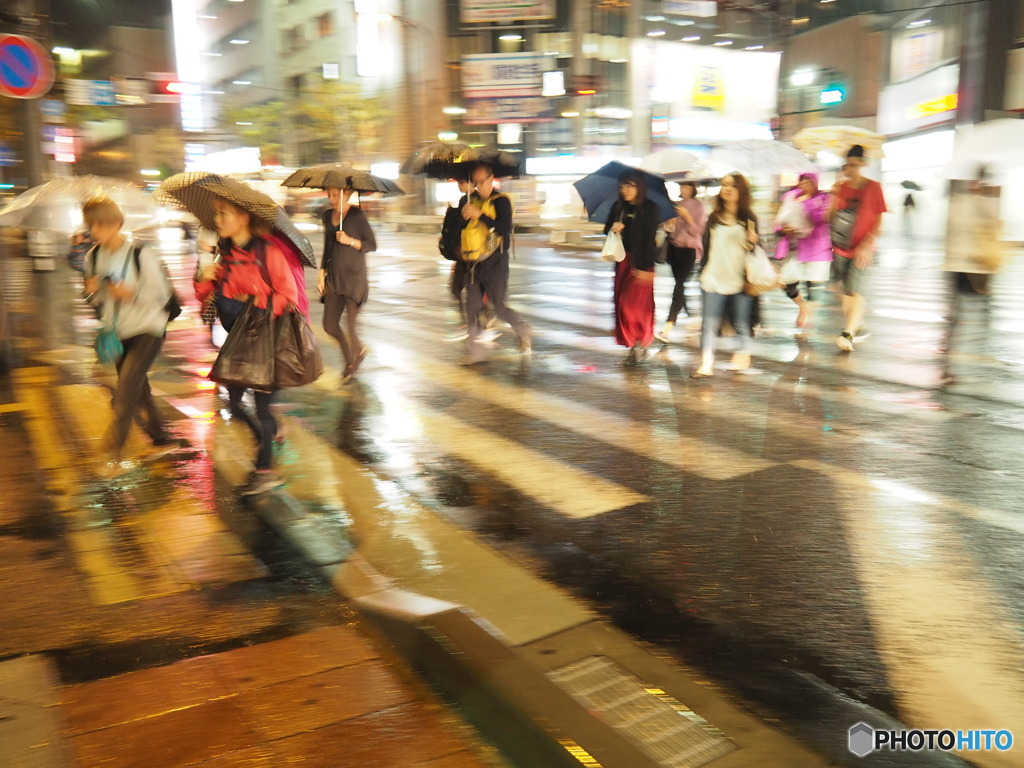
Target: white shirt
[726,260]
[144,312]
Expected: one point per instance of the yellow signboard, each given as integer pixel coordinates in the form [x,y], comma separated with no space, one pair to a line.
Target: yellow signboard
[937,106]
[708,92]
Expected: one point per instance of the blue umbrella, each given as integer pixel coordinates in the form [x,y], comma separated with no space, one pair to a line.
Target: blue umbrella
[600,190]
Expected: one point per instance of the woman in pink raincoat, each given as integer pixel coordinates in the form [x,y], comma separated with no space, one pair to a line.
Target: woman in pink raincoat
[803,231]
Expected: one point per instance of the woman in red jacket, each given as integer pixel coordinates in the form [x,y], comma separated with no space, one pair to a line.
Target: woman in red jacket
[245,243]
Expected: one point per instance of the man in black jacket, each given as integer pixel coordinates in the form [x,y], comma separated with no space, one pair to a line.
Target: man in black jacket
[490,276]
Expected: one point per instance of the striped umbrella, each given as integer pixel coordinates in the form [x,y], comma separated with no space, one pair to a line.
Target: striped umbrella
[196,191]
[342,177]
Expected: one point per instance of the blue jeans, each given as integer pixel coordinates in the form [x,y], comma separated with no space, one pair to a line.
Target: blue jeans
[739,306]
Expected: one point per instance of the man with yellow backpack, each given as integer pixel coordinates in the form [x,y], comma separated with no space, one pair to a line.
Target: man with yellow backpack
[485,239]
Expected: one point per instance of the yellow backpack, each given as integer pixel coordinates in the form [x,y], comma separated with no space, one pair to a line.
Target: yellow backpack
[478,240]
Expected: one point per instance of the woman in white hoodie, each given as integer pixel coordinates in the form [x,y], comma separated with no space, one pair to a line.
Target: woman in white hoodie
[130,286]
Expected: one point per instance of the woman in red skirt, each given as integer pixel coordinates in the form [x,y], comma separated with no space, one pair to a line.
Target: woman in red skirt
[636,219]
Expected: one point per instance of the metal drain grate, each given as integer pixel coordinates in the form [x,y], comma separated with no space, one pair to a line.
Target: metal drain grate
[673,735]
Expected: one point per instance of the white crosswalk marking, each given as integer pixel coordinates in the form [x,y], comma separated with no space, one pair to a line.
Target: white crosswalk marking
[934,621]
[700,457]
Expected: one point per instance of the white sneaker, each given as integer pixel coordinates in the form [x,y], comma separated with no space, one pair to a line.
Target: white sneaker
[488,335]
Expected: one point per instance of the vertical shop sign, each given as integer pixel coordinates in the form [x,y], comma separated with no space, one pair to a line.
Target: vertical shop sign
[708,90]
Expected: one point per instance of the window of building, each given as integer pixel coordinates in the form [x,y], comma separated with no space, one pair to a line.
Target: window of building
[294,39]
[325,24]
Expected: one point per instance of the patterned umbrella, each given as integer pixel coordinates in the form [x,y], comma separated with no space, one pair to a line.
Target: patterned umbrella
[838,139]
[342,177]
[57,205]
[759,157]
[676,165]
[600,190]
[195,191]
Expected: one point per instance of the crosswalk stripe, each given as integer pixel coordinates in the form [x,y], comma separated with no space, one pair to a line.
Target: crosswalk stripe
[699,457]
[934,622]
[569,491]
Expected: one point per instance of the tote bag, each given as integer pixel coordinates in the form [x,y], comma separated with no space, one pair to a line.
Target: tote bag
[297,358]
[247,357]
[760,276]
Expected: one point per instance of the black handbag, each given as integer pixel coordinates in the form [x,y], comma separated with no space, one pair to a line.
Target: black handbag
[296,352]
[247,357]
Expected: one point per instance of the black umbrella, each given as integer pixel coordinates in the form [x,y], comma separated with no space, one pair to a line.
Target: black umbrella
[196,191]
[913,185]
[341,177]
[600,190]
[455,161]
[438,160]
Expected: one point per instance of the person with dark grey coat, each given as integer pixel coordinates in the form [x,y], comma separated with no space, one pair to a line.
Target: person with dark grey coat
[342,280]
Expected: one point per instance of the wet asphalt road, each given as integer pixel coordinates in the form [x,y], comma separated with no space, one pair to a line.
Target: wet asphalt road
[834,529]
[835,523]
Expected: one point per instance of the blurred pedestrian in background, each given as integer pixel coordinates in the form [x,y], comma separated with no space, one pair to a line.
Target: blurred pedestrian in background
[129,285]
[730,234]
[855,218]
[81,244]
[342,280]
[974,253]
[803,228]
[636,219]
[251,266]
[685,246]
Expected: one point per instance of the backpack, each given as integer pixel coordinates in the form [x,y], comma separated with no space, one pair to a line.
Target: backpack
[450,241]
[479,241]
[173,305]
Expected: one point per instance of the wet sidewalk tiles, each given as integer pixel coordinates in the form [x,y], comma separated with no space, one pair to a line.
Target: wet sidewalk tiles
[321,699]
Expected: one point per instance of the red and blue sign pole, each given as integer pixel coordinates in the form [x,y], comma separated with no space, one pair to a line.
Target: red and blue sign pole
[26,68]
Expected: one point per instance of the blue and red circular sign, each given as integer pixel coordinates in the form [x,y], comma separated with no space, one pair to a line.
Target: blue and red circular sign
[26,68]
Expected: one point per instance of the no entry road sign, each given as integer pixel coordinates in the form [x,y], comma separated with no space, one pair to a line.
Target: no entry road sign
[26,69]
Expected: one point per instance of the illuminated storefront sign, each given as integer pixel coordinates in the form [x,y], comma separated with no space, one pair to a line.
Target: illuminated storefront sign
[503,75]
[473,11]
[705,94]
[928,100]
[937,106]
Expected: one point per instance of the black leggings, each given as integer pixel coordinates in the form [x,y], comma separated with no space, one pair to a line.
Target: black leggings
[681,260]
[264,426]
[334,306]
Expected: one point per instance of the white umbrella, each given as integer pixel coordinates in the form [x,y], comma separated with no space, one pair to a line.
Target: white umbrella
[759,157]
[57,205]
[996,145]
[676,165]
[838,139]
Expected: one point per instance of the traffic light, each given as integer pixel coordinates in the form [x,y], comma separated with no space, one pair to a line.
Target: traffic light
[164,88]
[832,95]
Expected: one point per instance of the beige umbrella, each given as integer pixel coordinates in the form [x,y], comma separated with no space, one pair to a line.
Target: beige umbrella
[838,139]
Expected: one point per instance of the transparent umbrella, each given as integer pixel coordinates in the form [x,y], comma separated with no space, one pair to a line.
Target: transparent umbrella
[759,157]
[56,206]
[676,165]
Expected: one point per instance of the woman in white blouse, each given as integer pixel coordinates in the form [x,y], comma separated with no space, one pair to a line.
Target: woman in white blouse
[730,234]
